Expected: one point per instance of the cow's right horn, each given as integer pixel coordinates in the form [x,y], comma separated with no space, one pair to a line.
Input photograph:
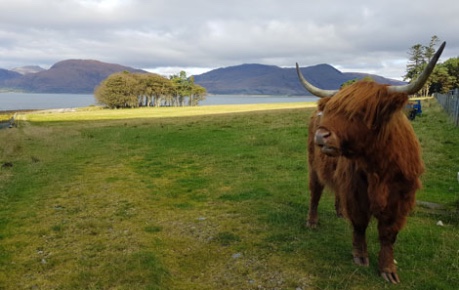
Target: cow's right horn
[312,89]
[415,86]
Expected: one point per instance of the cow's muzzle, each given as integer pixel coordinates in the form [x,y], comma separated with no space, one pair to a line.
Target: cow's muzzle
[324,139]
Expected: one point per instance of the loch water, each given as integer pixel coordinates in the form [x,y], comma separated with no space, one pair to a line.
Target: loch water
[24,101]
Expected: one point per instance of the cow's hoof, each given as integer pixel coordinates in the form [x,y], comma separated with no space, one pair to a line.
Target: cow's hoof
[390,277]
[311,224]
[362,261]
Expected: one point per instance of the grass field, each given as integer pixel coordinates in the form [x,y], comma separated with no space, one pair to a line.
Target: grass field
[200,198]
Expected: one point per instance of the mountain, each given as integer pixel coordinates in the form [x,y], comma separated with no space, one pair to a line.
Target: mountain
[30,69]
[253,79]
[376,78]
[68,76]
[250,79]
[8,74]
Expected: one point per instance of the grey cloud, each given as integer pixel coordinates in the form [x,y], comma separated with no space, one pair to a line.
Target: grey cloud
[372,36]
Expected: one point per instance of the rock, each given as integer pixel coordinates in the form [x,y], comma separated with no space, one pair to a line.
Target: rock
[7,165]
[430,205]
[237,256]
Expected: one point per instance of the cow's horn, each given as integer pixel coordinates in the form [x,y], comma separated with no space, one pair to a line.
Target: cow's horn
[312,89]
[415,86]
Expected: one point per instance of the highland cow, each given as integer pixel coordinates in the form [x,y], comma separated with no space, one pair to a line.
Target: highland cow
[362,146]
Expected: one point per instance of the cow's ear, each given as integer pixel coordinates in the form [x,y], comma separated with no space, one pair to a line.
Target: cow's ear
[392,103]
[322,103]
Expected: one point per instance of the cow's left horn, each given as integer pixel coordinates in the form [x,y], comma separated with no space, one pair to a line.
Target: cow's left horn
[415,86]
[312,89]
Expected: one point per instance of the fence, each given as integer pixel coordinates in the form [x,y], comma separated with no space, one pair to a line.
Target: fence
[450,103]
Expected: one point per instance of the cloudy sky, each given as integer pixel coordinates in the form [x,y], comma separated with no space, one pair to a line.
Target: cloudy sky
[167,36]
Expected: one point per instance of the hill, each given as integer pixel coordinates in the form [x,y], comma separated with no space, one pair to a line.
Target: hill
[260,79]
[8,74]
[30,69]
[68,76]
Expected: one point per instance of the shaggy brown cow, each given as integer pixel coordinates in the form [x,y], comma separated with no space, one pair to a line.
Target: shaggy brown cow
[363,147]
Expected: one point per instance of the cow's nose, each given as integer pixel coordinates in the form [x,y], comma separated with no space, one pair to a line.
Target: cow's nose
[321,136]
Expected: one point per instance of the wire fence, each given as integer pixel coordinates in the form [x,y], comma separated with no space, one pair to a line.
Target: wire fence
[450,103]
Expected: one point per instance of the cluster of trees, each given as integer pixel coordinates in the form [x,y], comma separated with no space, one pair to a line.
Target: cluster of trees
[133,90]
[350,82]
[445,76]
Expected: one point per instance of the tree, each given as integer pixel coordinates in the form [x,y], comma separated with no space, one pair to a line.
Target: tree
[350,82]
[119,90]
[416,62]
[420,55]
[182,88]
[185,87]
[198,93]
[441,80]
[155,88]
[452,66]
[144,90]
[429,51]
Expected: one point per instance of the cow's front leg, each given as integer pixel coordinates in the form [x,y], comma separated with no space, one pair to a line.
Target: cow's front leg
[357,211]
[359,243]
[387,238]
[338,208]
[315,188]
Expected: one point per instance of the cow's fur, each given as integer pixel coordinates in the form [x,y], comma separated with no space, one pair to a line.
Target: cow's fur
[375,168]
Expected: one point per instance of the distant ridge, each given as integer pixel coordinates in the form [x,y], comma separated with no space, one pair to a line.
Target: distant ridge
[253,79]
[30,69]
[82,76]
[8,74]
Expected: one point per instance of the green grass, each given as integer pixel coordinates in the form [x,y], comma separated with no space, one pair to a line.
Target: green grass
[156,199]
[440,144]
[5,116]
[99,113]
